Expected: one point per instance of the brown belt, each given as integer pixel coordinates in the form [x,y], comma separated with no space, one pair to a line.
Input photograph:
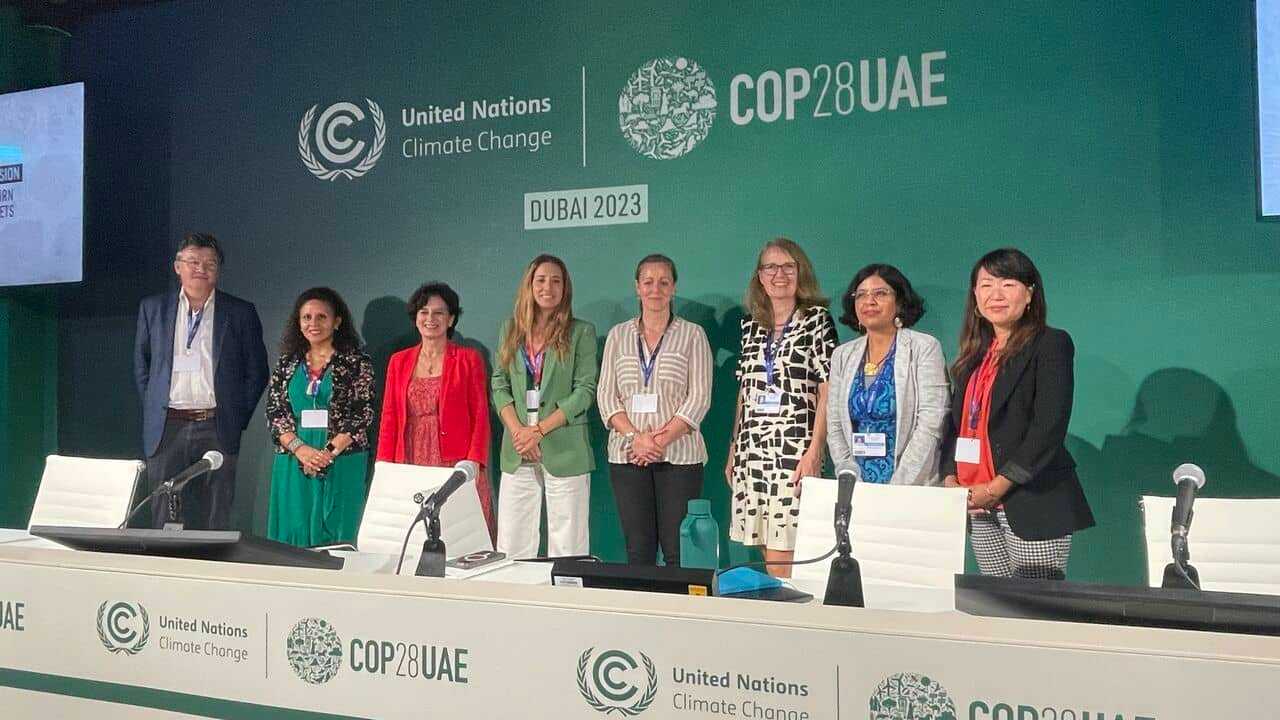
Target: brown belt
[192,415]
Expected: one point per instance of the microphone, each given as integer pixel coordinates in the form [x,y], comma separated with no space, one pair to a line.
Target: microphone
[462,473]
[844,507]
[211,461]
[1180,573]
[844,581]
[1189,478]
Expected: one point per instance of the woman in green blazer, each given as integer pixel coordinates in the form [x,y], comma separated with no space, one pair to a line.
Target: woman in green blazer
[543,385]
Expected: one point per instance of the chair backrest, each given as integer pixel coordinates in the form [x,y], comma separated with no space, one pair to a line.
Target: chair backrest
[901,534]
[85,492]
[1235,543]
[390,508]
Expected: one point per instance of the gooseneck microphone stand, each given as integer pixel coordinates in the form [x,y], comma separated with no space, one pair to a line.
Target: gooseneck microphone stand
[844,583]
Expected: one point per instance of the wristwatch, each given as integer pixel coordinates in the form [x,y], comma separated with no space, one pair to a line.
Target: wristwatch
[331,448]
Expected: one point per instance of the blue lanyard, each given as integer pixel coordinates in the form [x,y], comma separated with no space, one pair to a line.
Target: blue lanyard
[770,350]
[193,324]
[864,398]
[646,368]
[533,367]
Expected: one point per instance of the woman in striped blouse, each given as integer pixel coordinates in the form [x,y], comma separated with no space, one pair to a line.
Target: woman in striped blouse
[655,388]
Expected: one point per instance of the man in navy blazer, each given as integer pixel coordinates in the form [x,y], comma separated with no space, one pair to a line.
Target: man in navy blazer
[200,366]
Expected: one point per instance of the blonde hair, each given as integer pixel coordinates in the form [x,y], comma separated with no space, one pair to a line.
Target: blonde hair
[560,326]
[808,294]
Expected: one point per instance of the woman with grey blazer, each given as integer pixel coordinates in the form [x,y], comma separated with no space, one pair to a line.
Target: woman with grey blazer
[889,394]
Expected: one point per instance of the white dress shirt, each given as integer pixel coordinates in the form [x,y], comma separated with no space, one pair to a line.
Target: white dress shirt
[193,390]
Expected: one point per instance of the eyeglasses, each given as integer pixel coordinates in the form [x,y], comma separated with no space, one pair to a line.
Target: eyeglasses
[878,294]
[210,266]
[787,268]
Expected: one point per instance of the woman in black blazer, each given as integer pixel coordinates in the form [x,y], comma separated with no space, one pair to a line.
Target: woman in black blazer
[1010,406]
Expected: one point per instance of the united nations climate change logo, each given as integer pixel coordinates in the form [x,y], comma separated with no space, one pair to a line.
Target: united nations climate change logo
[123,627]
[908,696]
[667,108]
[314,650]
[611,677]
[333,141]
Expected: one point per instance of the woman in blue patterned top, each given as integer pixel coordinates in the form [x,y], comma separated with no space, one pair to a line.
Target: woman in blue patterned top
[889,386]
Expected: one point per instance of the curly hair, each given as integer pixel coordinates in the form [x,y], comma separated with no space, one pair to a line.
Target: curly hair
[345,337]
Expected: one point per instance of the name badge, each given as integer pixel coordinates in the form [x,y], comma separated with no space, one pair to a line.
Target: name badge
[186,362]
[769,402]
[870,444]
[532,400]
[968,450]
[644,403]
[315,418]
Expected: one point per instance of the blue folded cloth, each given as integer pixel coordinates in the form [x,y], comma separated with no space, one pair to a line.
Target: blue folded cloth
[744,579]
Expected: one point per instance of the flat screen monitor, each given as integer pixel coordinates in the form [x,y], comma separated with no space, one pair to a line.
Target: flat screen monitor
[42,185]
[221,545]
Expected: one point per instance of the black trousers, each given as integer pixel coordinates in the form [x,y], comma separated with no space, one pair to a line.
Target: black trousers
[205,503]
[652,501]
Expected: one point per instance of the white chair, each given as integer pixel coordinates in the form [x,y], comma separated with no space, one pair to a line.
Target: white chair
[390,509]
[1235,543]
[85,492]
[903,536]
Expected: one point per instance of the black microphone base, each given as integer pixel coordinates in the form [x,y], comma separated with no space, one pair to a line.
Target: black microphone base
[844,584]
[1173,580]
[431,562]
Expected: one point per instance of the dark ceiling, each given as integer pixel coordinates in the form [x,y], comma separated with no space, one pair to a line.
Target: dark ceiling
[66,14]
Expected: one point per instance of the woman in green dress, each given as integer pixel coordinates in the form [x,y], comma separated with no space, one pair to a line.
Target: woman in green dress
[319,408]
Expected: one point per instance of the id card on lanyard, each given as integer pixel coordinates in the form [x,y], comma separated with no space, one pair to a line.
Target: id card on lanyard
[533,373]
[189,361]
[769,402]
[977,397]
[314,418]
[646,401]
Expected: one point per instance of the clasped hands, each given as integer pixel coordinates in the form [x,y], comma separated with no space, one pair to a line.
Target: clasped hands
[985,497]
[646,448]
[314,462]
[527,439]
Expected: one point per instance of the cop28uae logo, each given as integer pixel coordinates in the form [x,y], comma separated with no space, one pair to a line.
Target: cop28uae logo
[667,108]
[123,627]
[908,696]
[333,140]
[609,686]
[314,650]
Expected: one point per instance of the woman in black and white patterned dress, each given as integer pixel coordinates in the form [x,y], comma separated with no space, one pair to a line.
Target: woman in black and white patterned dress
[780,426]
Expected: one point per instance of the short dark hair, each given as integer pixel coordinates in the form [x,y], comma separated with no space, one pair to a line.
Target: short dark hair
[201,240]
[660,259]
[423,295]
[345,337]
[910,304]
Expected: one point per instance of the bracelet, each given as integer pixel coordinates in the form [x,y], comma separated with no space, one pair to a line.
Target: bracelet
[294,444]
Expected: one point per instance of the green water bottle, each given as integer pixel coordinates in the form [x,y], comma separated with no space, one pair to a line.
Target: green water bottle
[699,537]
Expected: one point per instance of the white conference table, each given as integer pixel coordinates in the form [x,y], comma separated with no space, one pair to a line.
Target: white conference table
[177,638]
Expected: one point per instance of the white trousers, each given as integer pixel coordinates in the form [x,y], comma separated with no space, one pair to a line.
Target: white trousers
[520,512]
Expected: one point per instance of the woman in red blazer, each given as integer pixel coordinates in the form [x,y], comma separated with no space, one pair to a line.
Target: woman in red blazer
[435,410]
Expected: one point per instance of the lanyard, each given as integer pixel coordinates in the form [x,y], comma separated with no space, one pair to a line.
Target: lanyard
[313,380]
[770,351]
[193,324]
[864,398]
[646,368]
[984,376]
[533,365]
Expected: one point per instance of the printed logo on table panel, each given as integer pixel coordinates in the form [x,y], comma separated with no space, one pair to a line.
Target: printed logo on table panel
[667,107]
[615,683]
[908,696]
[314,650]
[333,139]
[123,627]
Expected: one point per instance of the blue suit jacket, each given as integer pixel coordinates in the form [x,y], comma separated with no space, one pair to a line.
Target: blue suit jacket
[239,365]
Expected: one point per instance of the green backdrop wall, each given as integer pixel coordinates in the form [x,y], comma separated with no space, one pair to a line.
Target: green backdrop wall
[1114,142]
